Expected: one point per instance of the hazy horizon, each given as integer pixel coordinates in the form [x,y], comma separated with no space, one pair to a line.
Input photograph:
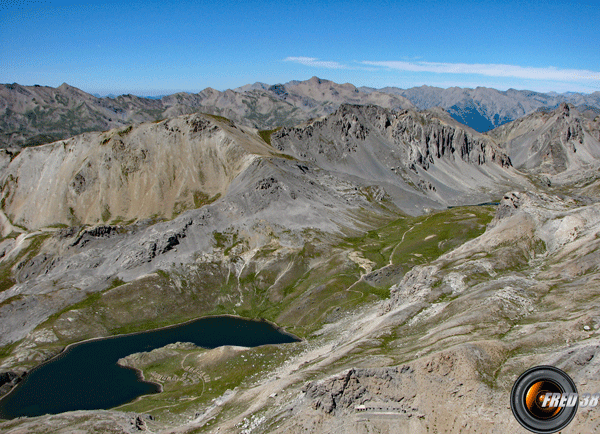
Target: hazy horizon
[155,93]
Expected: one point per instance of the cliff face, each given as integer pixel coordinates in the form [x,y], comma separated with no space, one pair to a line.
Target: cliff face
[431,138]
[428,150]
[422,138]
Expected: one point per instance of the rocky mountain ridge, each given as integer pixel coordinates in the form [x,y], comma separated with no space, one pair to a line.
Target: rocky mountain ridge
[99,177]
[103,177]
[429,151]
[481,108]
[32,115]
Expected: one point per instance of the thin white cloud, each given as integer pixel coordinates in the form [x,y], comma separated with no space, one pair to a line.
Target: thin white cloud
[329,64]
[313,61]
[553,78]
[491,70]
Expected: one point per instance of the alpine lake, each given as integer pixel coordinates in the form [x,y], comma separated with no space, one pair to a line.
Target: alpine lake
[86,376]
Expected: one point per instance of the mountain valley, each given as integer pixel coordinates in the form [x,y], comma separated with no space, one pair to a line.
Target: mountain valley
[424,264]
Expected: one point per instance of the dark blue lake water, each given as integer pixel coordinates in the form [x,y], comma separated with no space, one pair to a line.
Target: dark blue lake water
[86,376]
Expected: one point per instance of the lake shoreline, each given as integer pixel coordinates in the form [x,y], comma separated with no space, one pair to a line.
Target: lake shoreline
[100,338]
[231,330]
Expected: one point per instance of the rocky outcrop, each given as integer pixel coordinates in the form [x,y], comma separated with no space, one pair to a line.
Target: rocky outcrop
[422,137]
[7,377]
[88,235]
[431,140]
[426,152]
[158,243]
[553,142]
[343,393]
[8,380]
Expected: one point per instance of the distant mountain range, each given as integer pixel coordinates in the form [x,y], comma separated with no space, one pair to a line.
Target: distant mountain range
[33,115]
[484,108]
[481,109]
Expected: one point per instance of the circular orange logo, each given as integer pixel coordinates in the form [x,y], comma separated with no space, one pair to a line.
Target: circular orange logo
[544,399]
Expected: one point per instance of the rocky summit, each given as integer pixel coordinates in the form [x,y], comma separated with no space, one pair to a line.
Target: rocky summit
[424,264]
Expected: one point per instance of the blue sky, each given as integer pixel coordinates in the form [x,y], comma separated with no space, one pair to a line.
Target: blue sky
[150,48]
